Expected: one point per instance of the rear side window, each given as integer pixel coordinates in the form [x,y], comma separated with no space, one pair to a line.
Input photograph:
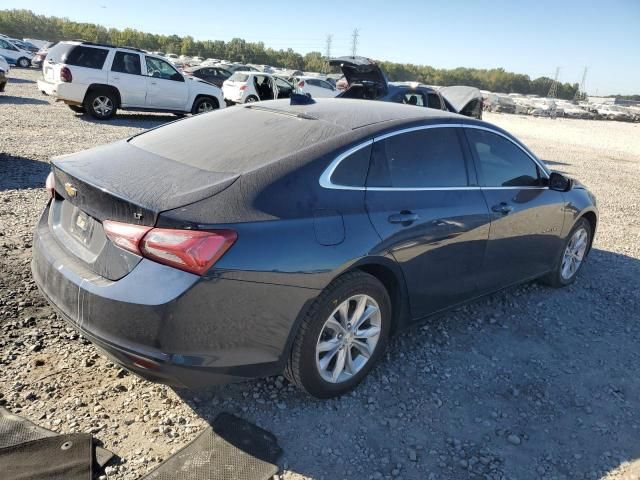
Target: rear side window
[429,158]
[239,77]
[501,162]
[352,171]
[434,101]
[87,57]
[126,62]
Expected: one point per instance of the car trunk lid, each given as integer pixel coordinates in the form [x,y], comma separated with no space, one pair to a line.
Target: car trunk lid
[360,70]
[123,183]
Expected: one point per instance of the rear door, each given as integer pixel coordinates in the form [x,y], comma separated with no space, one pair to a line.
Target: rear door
[526,217]
[424,202]
[126,76]
[166,87]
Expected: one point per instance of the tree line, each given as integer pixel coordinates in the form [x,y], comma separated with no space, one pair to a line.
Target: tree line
[26,24]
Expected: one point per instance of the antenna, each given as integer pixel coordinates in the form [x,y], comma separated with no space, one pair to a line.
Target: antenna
[354,42]
[581,94]
[553,91]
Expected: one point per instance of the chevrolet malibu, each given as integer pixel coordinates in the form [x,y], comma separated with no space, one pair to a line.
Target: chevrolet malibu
[196,254]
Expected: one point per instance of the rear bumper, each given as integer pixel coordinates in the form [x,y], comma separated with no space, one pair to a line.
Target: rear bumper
[67,92]
[167,325]
[46,87]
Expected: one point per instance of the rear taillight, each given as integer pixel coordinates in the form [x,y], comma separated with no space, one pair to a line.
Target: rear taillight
[125,235]
[194,251]
[243,87]
[190,250]
[301,83]
[65,75]
[50,185]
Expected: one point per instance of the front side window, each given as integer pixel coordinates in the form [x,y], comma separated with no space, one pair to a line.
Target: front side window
[501,162]
[87,57]
[126,62]
[427,158]
[326,85]
[160,69]
[411,98]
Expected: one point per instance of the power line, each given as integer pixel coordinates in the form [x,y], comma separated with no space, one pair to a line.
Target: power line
[325,66]
[354,42]
[553,91]
[581,93]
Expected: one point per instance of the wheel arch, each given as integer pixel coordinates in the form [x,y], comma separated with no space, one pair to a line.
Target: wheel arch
[103,87]
[385,270]
[204,95]
[591,217]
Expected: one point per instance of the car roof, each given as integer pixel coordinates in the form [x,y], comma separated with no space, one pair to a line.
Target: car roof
[352,114]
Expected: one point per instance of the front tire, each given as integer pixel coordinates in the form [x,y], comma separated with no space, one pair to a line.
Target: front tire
[204,105]
[341,337]
[251,99]
[574,254]
[101,104]
[24,62]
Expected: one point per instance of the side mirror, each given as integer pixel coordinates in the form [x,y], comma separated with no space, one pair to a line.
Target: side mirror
[559,182]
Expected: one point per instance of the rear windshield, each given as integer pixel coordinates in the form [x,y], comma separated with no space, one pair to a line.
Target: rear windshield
[234,140]
[239,77]
[88,57]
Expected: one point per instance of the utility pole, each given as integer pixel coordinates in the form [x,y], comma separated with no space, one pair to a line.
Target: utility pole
[327,54]
[354,42]
[581,94]
[553,91]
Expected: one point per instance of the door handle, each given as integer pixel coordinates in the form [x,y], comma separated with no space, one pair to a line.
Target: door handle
[154,83]
[405,217]
[502,208]
[115,78]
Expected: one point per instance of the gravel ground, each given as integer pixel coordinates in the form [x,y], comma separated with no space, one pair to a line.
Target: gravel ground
[529,383]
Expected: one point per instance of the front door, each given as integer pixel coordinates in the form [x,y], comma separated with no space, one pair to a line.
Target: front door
[166,87]
[526,217]
[126,76]
[424,203]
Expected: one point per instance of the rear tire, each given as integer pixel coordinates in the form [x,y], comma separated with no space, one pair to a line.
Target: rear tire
[24,62]
[101,104]
[341,337]
[77,108]
[204,105]
[573,255]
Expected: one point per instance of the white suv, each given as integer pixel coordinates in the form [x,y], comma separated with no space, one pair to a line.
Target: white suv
[99,79]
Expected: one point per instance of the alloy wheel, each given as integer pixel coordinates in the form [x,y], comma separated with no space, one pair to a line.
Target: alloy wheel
[205,106]
[348,338]
[574,254]
[102,105]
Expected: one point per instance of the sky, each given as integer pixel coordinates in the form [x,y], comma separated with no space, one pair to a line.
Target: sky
[531,37]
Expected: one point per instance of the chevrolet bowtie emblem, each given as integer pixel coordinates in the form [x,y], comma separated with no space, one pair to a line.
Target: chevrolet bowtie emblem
[70,189]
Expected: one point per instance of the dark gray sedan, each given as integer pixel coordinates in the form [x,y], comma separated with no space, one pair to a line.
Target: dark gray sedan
[296,238]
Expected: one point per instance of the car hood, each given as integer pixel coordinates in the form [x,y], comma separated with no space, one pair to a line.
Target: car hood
[460,96]
[360,70]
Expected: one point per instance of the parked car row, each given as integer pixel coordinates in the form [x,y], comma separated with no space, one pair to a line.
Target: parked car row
[553,108]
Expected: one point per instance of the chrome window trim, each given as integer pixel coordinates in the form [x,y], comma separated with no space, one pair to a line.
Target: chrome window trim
[325,178]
